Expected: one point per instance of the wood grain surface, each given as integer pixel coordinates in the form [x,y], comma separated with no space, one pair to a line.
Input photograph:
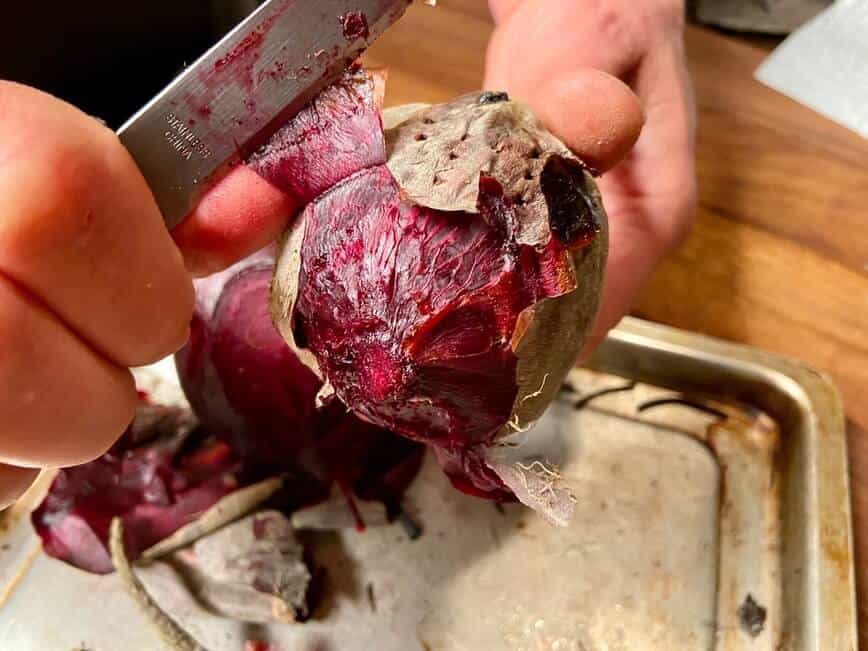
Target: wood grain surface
[778,257]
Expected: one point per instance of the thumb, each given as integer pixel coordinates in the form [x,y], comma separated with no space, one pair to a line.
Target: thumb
[597,116]
[501,9]
[551,54]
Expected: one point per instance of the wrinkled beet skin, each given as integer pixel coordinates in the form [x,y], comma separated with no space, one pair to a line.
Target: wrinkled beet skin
[410,311]
[340,133]
[155,488]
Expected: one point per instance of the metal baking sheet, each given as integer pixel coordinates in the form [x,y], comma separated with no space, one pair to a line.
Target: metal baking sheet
[712,512]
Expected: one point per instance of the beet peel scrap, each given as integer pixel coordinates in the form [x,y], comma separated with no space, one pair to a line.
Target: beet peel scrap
[156,479]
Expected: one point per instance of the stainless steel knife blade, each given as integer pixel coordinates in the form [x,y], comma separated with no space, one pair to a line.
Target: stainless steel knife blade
[260,74]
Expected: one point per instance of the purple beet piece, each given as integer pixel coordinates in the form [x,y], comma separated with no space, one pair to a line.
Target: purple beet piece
[244,383]
[154,482]
[338,134]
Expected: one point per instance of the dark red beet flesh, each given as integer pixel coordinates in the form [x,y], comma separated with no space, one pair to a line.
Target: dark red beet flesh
[410,311]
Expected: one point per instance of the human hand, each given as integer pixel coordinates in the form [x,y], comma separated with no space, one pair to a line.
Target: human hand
[91,283]
[565,59]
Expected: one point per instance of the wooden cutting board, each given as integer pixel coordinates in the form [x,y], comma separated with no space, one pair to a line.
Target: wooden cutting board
[778,257]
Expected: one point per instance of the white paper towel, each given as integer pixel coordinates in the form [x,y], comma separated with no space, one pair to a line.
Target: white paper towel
[824,65]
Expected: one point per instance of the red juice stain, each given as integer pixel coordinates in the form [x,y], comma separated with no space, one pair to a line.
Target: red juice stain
[236,65]
[258,645]
[355,25]
[354,509]
[246,47]
[275,72]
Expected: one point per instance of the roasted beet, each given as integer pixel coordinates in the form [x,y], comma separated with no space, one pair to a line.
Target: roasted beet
[446,293]
[156,479]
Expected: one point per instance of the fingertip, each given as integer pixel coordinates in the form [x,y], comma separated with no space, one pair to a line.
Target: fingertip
[596,115]
[14,482]
[238,216]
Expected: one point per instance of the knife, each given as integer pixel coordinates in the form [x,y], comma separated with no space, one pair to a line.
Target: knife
[218,110]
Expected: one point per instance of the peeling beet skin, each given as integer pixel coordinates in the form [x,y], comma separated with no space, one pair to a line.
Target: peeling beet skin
[155,485]
[339,133]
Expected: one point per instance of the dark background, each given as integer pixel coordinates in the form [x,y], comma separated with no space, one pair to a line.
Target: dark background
[108,58]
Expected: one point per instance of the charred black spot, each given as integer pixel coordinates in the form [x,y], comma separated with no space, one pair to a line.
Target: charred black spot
[298,332]
[571,214]
[751,616]
[496,208]
[493,97]
[411,528]
[316,590]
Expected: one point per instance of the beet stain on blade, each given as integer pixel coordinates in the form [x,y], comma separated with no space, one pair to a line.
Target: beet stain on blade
[355,25]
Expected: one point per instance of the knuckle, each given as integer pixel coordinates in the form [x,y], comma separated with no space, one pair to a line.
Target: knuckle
[68,176]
